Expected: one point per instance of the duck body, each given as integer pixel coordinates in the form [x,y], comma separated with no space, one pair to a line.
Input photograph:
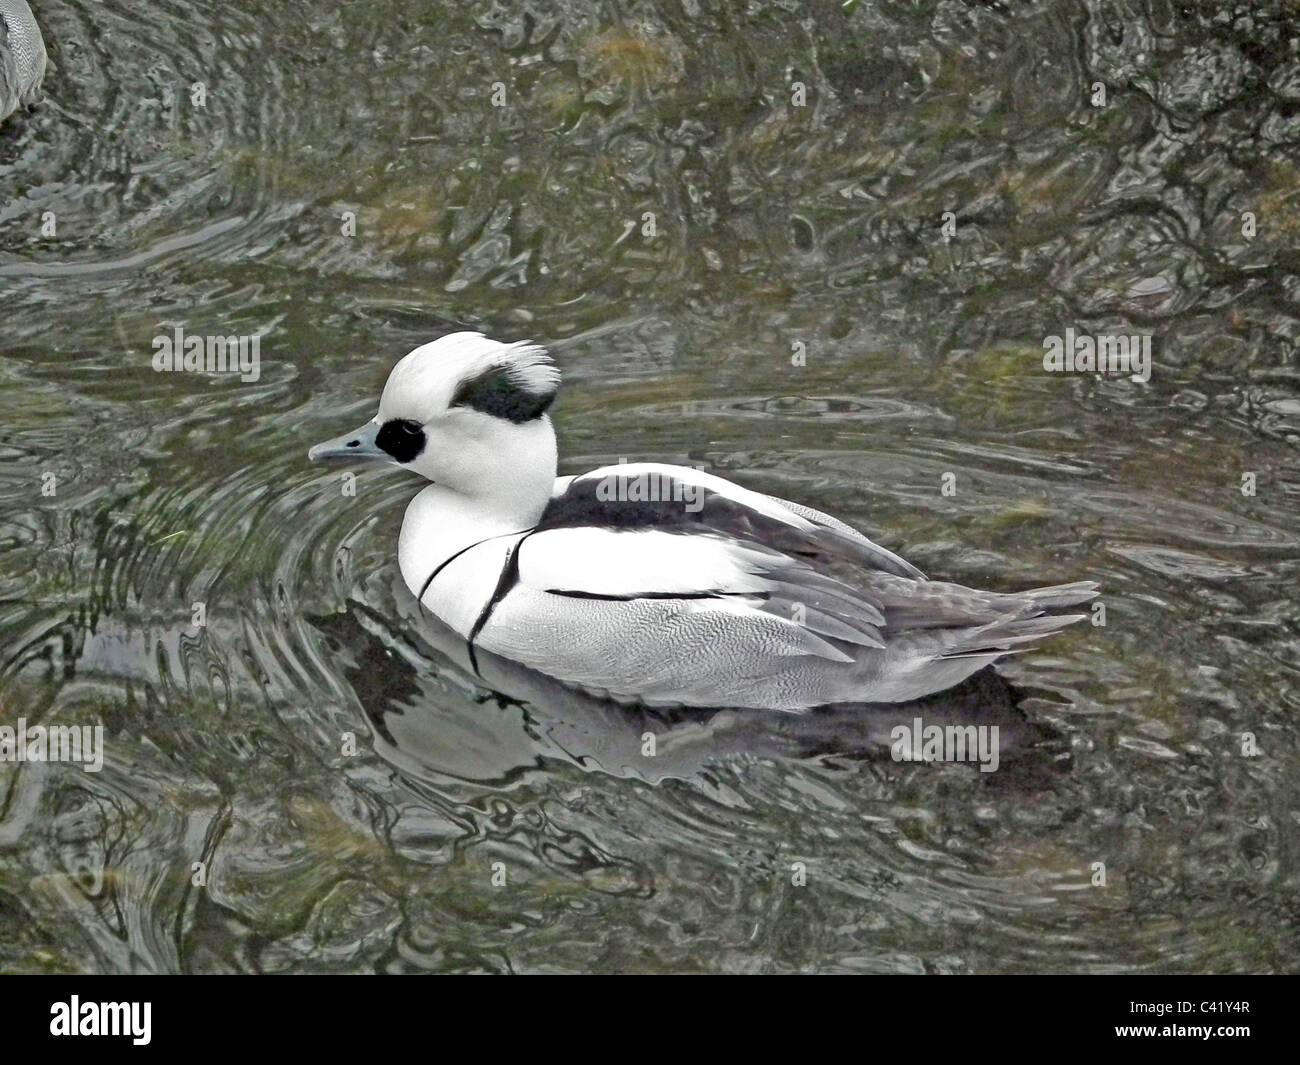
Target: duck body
[640,601]
[661,584]
[22,57]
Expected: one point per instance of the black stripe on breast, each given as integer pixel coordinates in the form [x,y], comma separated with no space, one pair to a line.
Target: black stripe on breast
[508,579]
[448,561]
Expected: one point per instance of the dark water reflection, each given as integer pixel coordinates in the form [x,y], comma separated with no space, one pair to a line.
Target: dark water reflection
[776,228]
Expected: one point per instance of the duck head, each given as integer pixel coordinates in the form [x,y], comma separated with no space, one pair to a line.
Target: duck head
[468,413]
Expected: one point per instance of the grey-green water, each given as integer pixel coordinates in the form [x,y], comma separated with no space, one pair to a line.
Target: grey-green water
[129,496]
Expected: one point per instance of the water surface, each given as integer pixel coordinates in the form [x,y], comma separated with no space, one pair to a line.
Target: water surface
[782,235]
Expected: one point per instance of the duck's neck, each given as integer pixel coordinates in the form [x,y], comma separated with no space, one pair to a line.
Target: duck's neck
[506,493]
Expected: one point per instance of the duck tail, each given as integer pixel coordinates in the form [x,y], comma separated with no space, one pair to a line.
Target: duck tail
[1005,635]
[1060,595]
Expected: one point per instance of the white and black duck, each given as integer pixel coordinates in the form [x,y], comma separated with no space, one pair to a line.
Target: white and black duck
[707,594]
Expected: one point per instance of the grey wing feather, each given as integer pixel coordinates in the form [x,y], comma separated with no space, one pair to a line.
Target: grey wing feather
[861,549]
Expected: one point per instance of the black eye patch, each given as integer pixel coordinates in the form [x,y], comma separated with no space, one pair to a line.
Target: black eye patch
[401,438]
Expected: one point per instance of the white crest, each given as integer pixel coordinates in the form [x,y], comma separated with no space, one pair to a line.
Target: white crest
[444,372]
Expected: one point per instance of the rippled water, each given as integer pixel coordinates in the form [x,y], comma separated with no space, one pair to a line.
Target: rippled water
[778,229]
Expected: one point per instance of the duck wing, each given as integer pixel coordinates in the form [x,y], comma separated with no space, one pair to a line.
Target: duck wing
[643,614]
[682,500]
[647,531]
[701,575]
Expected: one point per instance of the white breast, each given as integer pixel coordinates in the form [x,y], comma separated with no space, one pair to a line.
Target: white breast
[466,549]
